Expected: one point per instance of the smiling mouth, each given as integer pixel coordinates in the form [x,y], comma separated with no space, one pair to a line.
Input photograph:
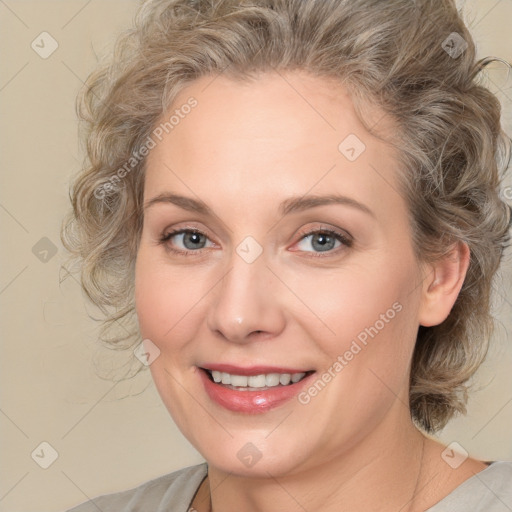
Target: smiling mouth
[259,382]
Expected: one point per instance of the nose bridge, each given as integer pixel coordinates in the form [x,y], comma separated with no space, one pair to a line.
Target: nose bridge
[246,299]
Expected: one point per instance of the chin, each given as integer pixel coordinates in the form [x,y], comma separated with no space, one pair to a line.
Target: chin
[253,456]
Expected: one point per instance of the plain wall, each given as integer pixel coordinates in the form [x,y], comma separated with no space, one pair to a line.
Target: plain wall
[113,437]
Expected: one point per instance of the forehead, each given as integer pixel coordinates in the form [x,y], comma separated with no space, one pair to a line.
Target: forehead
[277,135]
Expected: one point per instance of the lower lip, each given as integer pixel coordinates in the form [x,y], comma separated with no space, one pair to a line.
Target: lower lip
[253,402]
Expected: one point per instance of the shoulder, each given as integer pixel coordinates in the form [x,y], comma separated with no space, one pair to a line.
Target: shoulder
[172,490]
[489,490]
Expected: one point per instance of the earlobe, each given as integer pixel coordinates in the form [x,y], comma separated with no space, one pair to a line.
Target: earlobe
[442,283]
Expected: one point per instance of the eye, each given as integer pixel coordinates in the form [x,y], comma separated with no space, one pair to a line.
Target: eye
[186,240]
[323,241]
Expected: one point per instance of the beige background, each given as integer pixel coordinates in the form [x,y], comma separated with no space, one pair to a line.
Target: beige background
[110,437]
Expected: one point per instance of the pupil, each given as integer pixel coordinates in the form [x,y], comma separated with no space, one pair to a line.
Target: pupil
[192,238]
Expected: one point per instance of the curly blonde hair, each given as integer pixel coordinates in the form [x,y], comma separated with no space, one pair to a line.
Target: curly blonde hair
[415,59]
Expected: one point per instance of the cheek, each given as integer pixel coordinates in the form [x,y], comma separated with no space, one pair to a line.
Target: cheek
[371,320]
[358,303]
[152,302]
[165,311]
[168,300]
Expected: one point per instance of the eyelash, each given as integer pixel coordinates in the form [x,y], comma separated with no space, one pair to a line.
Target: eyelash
[347,242]
[167,236]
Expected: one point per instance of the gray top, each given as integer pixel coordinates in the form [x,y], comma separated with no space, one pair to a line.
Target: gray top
[487,491]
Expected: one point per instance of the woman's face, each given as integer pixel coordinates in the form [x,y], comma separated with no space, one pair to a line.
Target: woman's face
[291,255]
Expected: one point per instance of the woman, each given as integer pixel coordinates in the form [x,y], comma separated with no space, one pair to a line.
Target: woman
[299,200]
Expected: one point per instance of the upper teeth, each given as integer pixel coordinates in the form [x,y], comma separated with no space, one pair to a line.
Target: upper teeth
[257,381]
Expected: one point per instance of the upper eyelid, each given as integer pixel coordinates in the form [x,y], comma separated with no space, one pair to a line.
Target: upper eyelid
[336,231]
[180,231]
[186,229]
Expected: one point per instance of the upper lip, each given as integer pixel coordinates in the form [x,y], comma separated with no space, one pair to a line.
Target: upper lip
[251,370]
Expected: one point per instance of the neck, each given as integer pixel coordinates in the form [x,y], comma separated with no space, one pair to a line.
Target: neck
[382,472]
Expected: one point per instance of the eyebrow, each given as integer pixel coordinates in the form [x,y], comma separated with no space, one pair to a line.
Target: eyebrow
[187,203]
[296,204]
[291,205]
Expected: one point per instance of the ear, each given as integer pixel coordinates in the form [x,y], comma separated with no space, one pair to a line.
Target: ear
[442,283]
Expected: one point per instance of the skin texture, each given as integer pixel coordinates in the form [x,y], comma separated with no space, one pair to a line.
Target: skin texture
[244,149]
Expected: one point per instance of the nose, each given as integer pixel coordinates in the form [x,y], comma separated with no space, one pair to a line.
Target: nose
[245,304]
